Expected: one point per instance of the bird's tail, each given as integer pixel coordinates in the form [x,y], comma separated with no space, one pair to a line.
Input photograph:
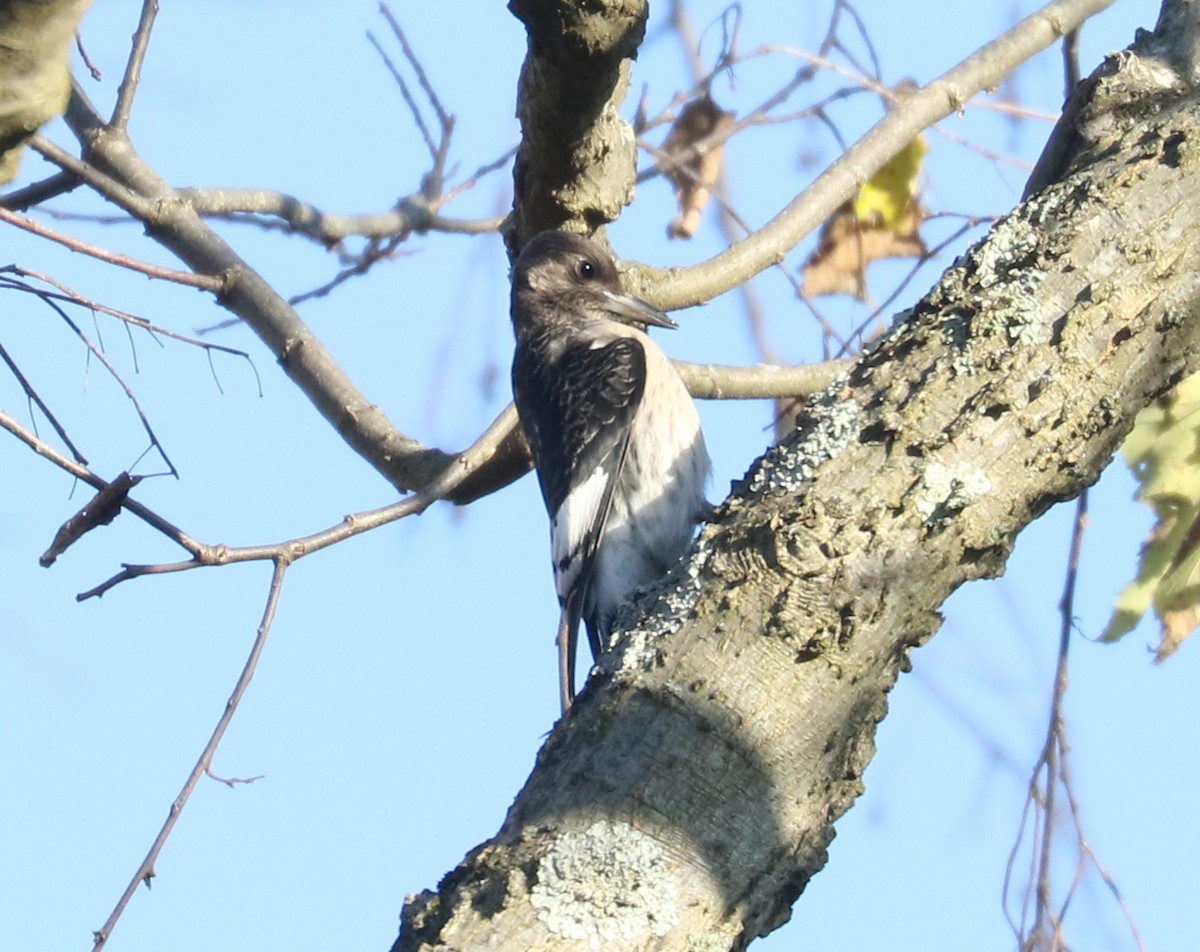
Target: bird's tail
[567,640]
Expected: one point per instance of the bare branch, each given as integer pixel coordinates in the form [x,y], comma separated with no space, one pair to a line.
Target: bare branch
[133,68]
[763,382]
[411,214]
[92,68]
[145,872]
[171,221]
[375,252]
[437,152]
[71,296]
[33,397]
[96,352]
[81,472]
[112,257]
[444,486]
[50,187]
[683,287]
[1038,926]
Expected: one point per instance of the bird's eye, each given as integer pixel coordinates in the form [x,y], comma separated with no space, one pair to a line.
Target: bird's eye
[585,269]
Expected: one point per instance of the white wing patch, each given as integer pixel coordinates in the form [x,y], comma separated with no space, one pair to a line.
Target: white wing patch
[575,524]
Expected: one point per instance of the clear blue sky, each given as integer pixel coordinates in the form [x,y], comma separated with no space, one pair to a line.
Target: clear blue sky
[409,678]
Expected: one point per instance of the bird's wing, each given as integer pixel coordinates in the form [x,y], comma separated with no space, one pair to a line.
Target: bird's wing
[577,414]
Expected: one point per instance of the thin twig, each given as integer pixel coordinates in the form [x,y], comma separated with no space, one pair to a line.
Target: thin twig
[438,152]
[82,473]
[966,143]
[233,781]
[1039,925]
[407,95]
[71,296]
[92,68]
[375,252]
[32,395]
[145,872]
[443,117]
[865,36]
[115,374]
[470,182]
[133,68]
[204,282]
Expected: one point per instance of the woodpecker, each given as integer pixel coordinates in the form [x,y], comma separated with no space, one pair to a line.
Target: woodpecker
[615,436]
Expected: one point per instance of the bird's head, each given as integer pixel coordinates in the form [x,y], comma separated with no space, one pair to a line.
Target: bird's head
[561,276]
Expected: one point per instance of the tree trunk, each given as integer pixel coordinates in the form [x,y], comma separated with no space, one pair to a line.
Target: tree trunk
[691,792]
[35,74]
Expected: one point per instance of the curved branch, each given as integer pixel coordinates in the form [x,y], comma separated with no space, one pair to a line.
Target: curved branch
[672,288]
[411,214]
[113,167]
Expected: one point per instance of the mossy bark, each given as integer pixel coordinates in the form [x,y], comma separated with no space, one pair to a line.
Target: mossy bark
[35,75]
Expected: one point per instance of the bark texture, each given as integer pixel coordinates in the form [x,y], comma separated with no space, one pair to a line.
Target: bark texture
[691,792]
[576,164]
[35,78]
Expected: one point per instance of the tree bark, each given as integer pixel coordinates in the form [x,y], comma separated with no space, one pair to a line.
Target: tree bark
[691,792]
[35,74]
[576,163]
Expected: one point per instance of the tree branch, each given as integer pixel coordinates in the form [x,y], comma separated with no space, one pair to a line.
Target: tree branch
[411,214]
[715,782]
[35,71]
[575,166]
[672,288]
[145,872]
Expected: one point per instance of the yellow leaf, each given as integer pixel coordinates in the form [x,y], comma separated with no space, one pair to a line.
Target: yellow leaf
[882,221]
[889,198]
[1163,450]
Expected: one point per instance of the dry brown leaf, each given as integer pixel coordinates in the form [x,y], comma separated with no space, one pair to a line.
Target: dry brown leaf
[1177,624]
[846,247]
[100,510]
[882,221]
[691,163]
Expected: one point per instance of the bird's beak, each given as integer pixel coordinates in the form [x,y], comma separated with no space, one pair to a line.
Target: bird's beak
[633,310]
